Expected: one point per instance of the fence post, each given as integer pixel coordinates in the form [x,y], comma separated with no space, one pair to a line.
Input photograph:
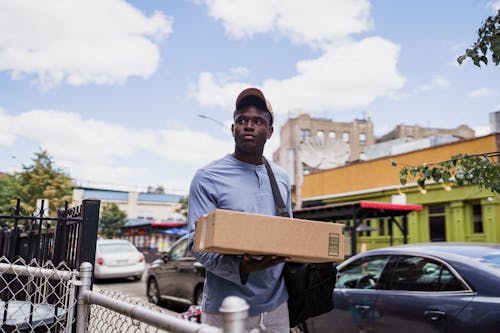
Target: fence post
[82,308]
[88,231]
[234,311]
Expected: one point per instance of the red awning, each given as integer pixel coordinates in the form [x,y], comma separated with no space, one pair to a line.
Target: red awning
[389,206]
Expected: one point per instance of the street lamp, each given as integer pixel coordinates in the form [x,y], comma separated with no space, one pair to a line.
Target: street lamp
[212,119]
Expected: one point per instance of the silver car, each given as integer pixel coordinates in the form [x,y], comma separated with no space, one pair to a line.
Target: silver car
[117,258]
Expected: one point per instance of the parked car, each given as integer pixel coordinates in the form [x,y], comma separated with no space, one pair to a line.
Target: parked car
[118,258]
[177,276]
[438,287]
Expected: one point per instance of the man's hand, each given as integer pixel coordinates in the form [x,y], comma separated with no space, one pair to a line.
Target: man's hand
[249,264]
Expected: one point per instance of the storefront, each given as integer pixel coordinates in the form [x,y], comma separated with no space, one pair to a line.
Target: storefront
[153,237]
[451,214]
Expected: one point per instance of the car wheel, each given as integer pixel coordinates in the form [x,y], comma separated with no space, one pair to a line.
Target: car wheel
[198,295]
[153,292]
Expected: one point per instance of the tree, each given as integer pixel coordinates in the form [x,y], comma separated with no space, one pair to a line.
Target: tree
[479,169]
[111,219]
[158,190]
[488,41]
[40,180]
[8,188]
[183,209]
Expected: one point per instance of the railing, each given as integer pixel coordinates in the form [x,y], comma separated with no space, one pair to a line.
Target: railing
[111,311]
[44,300]
[32,236]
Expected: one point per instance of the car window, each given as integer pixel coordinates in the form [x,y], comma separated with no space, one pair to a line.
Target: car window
[362,274]
[413,273]
[179,250]
[116,248]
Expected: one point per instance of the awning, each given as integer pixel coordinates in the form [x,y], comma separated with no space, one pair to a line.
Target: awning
[357,211]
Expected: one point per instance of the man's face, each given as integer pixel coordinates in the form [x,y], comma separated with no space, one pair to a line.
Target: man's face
[251,130]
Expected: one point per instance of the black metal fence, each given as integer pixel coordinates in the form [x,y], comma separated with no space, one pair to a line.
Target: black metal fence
[70,237]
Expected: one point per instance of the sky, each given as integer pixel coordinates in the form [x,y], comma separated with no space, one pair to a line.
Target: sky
[126,95]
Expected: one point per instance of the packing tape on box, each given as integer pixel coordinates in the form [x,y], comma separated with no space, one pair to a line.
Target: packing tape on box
[203,231]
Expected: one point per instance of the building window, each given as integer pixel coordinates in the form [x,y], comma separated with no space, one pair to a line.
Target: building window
[345,136]
[320,134]
[305,133]
[362,138]
[477,218]
[381,227]
[437,223]
[332,135]
[369,224]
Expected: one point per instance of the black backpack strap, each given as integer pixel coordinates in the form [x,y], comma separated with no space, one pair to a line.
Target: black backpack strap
[278,200]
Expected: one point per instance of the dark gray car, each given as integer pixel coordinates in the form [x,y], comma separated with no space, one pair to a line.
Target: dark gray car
[177,276]
[438,287]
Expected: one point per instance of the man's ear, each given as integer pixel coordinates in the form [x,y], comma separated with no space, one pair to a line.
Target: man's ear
[271,130]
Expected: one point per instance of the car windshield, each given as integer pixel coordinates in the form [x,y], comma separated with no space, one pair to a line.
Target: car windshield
[116,248]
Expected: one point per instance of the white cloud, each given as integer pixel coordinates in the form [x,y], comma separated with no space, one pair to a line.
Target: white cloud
[438,82]
[482,92]
[104,152]
[314,22]
[79,41]
[352,74]
[7,137]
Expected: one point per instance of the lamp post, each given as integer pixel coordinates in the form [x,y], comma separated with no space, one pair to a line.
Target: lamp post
[212,119]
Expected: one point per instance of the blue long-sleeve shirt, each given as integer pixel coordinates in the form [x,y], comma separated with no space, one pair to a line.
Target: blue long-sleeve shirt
[230,184]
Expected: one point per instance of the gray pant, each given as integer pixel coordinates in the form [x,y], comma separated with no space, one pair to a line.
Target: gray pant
[275,321]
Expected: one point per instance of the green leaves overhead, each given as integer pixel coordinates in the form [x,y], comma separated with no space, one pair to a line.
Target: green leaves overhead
[460,170]
[488,42]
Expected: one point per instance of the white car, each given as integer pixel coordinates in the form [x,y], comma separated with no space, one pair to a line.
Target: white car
[118,258]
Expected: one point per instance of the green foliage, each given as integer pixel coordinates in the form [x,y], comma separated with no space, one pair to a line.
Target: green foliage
[480,169]
[111,219]
[40,180]
[8,188]
[487,42]
[183,209]
[157,190]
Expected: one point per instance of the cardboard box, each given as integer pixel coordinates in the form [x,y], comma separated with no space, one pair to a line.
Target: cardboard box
[229,232]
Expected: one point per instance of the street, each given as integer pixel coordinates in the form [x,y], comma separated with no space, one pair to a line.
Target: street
[132,288]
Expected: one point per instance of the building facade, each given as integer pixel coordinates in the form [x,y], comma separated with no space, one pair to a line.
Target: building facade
[468,213]
[419,132]
[137,205]
[357,136]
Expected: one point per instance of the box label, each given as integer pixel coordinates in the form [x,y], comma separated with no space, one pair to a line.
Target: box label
[333,244]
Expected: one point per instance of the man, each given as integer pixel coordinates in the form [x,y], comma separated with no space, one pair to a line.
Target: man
[240,182]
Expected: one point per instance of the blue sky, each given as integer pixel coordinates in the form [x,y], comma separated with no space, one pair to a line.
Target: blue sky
[113,89]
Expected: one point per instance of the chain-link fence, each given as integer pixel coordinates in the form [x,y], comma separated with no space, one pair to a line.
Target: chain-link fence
[47,298]
[105,320]
[36,298]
